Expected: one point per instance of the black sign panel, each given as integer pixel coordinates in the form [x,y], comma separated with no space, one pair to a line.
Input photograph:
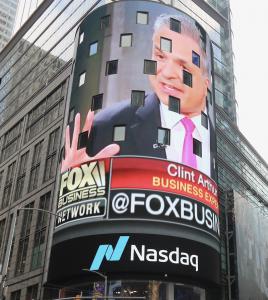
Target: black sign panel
[134,253]
[163,206]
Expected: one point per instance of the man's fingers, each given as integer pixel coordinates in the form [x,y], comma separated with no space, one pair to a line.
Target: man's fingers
[108,151]
[67,139]
[76,131]
[89,121]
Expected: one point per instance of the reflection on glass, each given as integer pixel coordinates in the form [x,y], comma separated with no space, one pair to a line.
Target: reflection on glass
[150,67]
[93,48]
[150,290]
[105,22]
[165,44]
[81,37]
[119,133]
[163,136]
[126,40]
[142,17]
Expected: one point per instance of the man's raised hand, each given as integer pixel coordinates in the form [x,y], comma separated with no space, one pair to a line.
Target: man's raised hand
[75,157]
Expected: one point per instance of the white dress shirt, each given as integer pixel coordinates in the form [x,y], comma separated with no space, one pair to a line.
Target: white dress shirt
[171,120]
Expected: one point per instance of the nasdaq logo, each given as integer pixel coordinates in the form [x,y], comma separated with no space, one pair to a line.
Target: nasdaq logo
[109,253]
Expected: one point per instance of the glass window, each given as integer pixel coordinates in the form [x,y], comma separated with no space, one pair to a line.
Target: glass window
[82,79]
[197,147]
[149,67]
[45,112]
[51,161]
[174,104]
[126,40]
[27,220]
[81,37]
[2,228]
[40,232]
[137,98]
[204,120]
[34,69]
[165,44]
[217,52]
[196,59]
[111,67]
[82,140]
[1,177]
[32,292]
[8,185]
[21,176]
[97,102]
[34,173]
[93,48]
[175,25]
[11,141]
[105,21]
[142,17]
[119,133]
[163,136]
[15,295]
[188,292]
[8,230]
[1,184]
[187,78]
[24,240]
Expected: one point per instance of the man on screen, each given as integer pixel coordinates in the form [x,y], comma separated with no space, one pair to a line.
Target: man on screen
[182,75]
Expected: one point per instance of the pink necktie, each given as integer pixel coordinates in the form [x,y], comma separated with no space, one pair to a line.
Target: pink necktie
[188,157]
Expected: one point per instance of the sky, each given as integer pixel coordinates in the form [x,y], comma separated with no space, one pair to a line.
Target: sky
[250,46]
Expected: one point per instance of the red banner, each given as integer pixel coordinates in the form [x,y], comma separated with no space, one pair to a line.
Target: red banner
[164,176]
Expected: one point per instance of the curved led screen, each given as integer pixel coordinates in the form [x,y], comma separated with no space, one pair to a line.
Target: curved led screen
[140,144]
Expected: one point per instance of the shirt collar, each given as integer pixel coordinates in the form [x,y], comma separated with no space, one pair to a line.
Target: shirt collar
[172,118]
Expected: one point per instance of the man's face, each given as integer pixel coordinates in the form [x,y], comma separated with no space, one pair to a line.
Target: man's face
[170,65]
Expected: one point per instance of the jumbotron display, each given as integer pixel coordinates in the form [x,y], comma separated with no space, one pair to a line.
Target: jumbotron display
[140,149]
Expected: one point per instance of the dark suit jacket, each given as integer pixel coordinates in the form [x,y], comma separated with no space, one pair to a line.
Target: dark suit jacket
[141,129]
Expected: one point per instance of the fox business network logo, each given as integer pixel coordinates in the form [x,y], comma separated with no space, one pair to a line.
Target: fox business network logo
[143,254]
[82,193]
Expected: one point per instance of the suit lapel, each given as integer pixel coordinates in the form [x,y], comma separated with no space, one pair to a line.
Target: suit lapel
[144,128]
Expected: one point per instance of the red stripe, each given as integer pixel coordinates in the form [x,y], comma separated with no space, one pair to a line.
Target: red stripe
[152,174]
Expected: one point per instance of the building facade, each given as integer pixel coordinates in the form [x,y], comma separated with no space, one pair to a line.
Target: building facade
[35,74]
[7,19]
[24,11]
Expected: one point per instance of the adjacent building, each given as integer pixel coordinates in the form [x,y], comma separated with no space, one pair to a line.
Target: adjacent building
[24,10]
[7,19]
[37,70]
